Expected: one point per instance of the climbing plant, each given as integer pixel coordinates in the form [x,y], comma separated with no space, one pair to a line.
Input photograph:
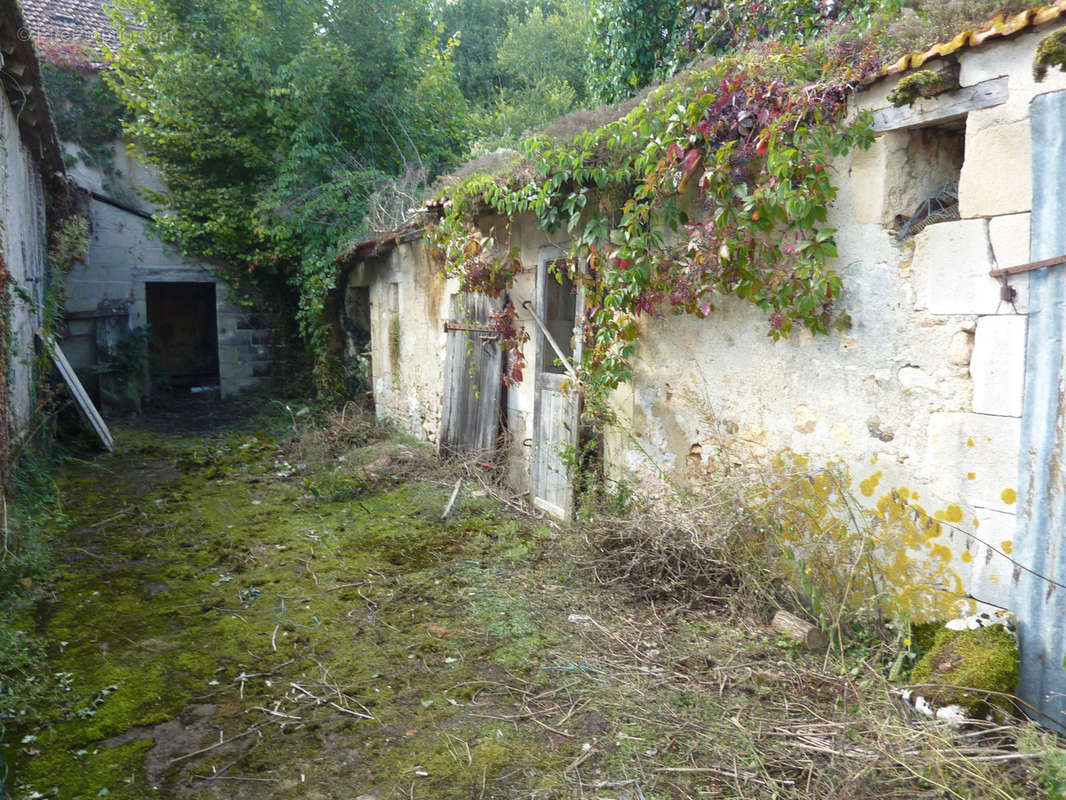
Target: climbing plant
[717,184]
[87,113]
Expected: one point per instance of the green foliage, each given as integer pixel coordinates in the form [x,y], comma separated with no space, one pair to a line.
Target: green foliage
[272,124]
[520,111]
[70,242]
[540,74]
[631,43]
[548,44]
[753,154]
[86,111]
[480,26]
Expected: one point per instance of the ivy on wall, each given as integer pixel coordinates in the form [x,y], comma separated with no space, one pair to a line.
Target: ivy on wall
[717,184]
[86,112]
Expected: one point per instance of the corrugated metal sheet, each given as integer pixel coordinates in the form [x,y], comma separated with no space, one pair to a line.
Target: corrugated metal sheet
[1041,526]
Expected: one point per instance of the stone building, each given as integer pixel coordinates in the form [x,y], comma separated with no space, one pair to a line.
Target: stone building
[31,173]
[941,403]
[200,337]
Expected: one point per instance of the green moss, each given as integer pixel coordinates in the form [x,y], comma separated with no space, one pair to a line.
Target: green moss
[923,83]
[1051,52]
[971,669]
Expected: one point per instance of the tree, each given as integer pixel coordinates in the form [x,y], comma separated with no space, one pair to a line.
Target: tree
[542,64]
[548,43]
[272,122]
[480,26]
[631,43]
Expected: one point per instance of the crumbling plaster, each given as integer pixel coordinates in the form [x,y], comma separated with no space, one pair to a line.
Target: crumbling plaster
[125,253]
[23,236]
[919,399]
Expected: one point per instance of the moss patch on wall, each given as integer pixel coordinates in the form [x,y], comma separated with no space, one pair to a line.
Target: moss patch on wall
[1051,52]
[923,83]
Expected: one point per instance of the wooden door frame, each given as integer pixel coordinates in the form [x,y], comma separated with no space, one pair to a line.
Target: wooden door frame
[551,381]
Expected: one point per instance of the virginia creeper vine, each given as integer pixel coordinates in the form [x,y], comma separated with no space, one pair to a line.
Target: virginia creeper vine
[717,184]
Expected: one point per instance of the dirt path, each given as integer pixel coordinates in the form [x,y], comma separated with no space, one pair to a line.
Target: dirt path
[248,614]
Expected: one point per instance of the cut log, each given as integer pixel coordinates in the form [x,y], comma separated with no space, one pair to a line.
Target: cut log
[810,636]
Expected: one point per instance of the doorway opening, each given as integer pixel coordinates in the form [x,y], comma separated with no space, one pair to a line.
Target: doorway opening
[184,346]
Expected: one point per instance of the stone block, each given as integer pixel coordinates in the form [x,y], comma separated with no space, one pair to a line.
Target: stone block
[1009,235]
[996,176]
[990,572]
[868,171]
[951,262]
[998,365]
[974,458]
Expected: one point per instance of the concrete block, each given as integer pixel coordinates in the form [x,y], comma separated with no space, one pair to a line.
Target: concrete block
[974,458]
[996,176]
[998,365]
[951,261]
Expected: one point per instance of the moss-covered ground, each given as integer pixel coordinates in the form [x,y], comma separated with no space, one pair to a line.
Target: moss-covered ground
[256,613]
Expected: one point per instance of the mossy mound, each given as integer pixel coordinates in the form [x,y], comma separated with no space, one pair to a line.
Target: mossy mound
[1051,52]
[923,83]
[970,669]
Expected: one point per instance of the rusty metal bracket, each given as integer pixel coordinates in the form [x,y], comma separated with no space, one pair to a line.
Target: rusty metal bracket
[463,326]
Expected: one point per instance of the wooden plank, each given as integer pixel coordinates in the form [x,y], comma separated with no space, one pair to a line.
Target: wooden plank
[942,108]
[81,397]
[1047,262]
[473,387]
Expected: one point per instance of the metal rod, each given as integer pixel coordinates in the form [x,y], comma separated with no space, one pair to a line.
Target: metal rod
[527,305]
[1047,262]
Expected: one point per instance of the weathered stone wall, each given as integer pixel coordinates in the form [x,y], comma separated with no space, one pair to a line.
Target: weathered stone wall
[24,243]
[125,254]
[408,308]
[921,398]
[917,405]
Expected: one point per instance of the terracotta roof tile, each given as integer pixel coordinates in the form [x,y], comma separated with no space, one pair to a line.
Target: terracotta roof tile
[995,28]
[61,22]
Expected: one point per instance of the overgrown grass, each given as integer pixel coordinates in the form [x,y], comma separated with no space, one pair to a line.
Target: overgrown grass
[352,642]
[32,507]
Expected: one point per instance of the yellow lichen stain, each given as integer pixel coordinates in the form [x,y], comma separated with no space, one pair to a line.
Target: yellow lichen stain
[970,442]
[971,476]
[1007,546]
[941,552]
[967,557]
[975,522]
[873,459]
[868,486]
[1009,496]
[893,540]
[915,496]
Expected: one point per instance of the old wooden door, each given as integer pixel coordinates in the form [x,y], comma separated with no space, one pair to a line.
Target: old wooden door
[556,404]
[473,378]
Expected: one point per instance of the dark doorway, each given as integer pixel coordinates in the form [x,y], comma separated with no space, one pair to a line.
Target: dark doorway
[184,348]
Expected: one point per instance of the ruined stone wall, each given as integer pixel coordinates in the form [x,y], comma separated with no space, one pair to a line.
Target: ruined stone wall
[408,308]
[23,236]
[920,401]
[125,254]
